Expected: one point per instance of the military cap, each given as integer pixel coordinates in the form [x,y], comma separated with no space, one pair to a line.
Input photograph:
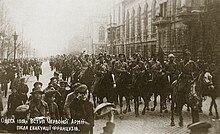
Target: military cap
[38,83]
[199,127]
[104,109]
[187,52]
[74,86]
[36,90]
[53,78]
[86,55]
[56,73]
[81,89]
[121,55]
[100,55]
[171,56]
[22,108]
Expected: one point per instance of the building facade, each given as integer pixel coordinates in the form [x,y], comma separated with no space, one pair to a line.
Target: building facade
[97,34]
[144,26]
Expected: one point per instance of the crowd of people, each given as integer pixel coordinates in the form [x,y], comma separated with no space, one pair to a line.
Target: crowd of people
[66,97]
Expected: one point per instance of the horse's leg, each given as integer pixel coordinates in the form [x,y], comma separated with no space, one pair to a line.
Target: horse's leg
[172,112]
[210,108]
[165,103]
[128,106]
[145,105]
[94,100]
[121,103]
[195,114]
[129,98]
[180,115]
[155,102]
[135,105]
[216,109]
[161,103]
[138,103]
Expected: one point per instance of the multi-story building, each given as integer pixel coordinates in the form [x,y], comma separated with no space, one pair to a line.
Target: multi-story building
[144,26]
[97,33]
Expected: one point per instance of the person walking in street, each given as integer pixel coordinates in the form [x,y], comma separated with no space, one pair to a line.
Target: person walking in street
[37,106]
[81,108]
[37,71]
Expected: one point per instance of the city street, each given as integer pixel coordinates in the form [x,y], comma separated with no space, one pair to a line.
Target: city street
[150,123]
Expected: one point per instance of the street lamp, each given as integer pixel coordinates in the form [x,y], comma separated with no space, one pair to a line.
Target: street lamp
[15,44]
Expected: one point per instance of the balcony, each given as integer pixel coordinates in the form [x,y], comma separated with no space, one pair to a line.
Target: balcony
[111,25]
[189,15]
[161,21]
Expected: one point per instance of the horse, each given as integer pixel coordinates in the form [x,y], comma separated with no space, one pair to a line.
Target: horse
[207,89]
[87,78]
[123,89]
[185,91]
[103,88]
[142,87]
[162,88]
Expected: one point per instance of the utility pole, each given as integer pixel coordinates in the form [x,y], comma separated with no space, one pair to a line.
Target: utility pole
[15,45]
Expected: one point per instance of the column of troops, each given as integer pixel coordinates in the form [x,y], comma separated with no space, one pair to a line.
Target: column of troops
[79,78]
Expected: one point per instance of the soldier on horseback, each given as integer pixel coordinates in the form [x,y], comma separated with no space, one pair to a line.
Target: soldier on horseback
[85,61]
[137,66]
[155,67]
[171,68]
[101,68]
[188,69]
[120,66]
[185,89]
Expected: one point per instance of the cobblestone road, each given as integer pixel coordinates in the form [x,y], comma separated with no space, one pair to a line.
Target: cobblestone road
[150,123]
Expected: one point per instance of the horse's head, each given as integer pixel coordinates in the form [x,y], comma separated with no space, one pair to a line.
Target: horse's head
[207,81]
[147,75]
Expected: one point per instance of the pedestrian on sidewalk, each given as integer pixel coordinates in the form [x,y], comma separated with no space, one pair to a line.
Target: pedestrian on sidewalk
[37,106]
[53,107]
[23,90]
[15,83]
[14,101]
[80,108]
[106,109]
[4,80]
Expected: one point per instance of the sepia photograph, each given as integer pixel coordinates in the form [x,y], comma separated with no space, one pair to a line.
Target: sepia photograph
[110,66]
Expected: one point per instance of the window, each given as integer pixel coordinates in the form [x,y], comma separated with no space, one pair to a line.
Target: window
[127,26]
[145,21]
[139,24]
[153,17]
[163,9]
[133,26]
[101,34]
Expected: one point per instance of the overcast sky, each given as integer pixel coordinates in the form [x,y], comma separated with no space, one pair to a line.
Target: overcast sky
[50,24]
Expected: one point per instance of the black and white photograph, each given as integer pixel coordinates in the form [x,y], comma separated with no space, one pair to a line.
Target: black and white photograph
[110,66]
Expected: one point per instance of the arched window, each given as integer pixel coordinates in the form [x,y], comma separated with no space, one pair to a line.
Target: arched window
[145,21]
[154,11]
[133,26]
[139,24]
[127,26]
[101,34]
